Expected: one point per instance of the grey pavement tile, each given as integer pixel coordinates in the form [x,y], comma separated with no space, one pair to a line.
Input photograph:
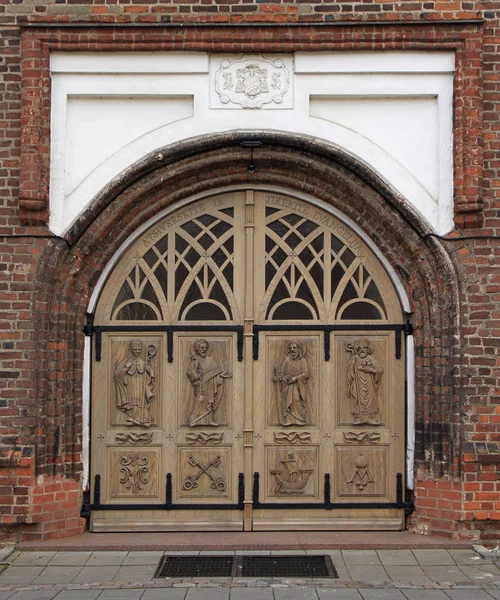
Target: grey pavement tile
[96,574]
[251,594]
[367,573]
[382,595]
[35,595]
[466,557]
[494,593]
[435,557]
[57,575]
[250,552]
[486,573]
[295,594]
[468,595]
[20,574]
[443,574]
[220,553]
[182,553]
[33,558]
[408,574]
[72,559]
[420,594]
[165,594]
[121,594]
[78,595]
[208,594]
[397,557]
[6,595]
[143,558]
[360,557]
[136,573]
[338,594]
[101,558]
[290,552]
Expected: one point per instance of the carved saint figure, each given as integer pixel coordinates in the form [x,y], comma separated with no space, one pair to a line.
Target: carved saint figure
[207,379]
[134,384]
[291,378]
[364,375]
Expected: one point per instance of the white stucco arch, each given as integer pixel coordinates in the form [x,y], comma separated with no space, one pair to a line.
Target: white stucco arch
[391,110]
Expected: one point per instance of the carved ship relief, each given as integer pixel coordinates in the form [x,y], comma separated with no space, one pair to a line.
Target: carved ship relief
[290,478]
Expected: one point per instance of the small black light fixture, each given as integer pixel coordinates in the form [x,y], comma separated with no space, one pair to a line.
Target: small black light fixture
[251,144]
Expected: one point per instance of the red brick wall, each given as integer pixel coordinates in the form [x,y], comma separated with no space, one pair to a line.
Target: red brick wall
[45,285]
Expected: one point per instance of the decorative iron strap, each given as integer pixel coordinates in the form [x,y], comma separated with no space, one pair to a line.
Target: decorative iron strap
[168,505]
[398,328]
[327,504]
[97,331]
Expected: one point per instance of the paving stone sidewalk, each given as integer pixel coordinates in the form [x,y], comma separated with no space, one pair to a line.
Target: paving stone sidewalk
[363,575]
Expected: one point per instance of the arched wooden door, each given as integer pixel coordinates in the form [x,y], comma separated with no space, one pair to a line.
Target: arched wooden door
[248,373]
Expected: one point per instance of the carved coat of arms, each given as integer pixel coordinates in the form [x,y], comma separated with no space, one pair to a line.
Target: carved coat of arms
[252,82]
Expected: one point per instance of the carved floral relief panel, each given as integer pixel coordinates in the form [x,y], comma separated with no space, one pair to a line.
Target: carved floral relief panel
[205,381]
[292,472]
[361,471]
[135,387]
[362,374]
[133,472]
[292,374]
[204,473]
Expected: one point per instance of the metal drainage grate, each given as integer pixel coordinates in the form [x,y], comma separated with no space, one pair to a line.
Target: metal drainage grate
[288,566]
[195,566]
[246,566]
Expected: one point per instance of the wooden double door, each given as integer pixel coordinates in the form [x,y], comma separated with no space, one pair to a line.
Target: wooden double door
[248,373]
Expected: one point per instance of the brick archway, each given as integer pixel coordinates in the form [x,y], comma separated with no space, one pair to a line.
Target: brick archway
[68,272]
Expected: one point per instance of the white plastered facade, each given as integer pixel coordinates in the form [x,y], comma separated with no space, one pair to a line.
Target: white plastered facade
[391,110]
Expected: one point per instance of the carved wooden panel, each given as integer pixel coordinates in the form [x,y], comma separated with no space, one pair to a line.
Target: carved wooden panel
[362,471]
[362,370]
[246,258]
[317,269]
[134,382]
[181,269]
[291,472]
[205,381]
[291,381]
[204,473]
[133,473]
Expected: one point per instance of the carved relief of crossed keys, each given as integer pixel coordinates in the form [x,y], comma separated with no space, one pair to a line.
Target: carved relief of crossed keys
[191,481]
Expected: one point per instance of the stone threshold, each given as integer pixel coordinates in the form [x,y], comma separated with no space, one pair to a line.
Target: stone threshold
[220,541]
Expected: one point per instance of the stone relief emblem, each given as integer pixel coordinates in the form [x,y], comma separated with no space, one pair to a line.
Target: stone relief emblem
[207,379]
[361,477]
[134,379]
[210,469]
[291,378]
[135,471]
[291,478]
[252,81]
[364,376]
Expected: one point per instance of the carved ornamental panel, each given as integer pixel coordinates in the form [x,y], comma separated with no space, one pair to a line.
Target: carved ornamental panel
[205,381]
[205,473]
[133,472]
[292,364]
[362,375]
[292,472]
[362,472]
[135,387]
